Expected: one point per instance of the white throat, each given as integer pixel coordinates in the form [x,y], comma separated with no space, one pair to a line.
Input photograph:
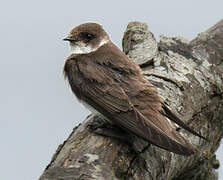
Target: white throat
[81,48]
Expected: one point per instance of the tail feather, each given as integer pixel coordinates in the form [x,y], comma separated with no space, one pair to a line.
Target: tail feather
[175,119]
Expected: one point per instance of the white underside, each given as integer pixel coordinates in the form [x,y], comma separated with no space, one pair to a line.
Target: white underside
[94,111]
[81,48]
[90,108]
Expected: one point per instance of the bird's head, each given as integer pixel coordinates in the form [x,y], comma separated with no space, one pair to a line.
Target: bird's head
[86,38]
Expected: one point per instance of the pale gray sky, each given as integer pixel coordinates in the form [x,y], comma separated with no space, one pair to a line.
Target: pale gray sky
[38,110]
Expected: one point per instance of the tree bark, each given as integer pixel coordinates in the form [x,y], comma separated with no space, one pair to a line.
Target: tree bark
[189,77]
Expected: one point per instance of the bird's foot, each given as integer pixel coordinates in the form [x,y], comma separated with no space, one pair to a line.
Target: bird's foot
[100,127]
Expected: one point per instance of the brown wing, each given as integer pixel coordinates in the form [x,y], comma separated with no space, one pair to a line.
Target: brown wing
[114,104]
[115,88]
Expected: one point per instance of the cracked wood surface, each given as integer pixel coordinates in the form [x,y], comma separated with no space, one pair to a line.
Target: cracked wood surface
[189,76]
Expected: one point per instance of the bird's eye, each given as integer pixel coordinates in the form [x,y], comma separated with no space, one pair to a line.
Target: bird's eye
[89,36]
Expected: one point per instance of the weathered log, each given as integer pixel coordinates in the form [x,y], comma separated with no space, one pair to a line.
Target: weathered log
[189,77]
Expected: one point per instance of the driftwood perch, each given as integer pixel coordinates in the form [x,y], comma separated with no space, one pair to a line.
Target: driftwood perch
[189,77]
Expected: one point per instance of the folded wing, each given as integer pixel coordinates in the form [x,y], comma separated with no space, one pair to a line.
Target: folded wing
[114,104]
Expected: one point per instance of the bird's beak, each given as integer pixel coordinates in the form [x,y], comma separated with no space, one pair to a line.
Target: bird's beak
[70,39]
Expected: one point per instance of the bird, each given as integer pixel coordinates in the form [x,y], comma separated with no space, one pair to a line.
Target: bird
[110,84]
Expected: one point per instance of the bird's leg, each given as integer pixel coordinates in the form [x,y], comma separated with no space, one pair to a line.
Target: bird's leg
[103,128]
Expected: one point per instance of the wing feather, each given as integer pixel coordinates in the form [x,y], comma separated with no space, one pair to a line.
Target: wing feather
[123,113]
[116,89]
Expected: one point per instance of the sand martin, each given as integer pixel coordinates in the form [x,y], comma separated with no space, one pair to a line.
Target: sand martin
[108,82]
